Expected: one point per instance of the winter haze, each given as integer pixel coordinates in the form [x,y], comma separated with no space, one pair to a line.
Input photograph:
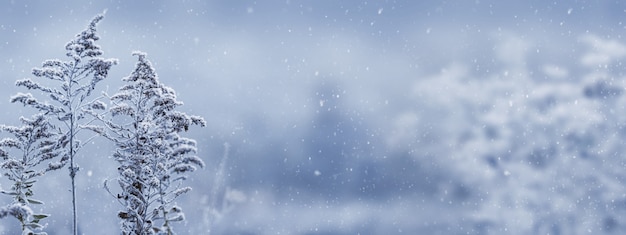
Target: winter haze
[348,117]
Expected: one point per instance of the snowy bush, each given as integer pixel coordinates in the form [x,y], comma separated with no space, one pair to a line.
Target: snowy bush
[23,160]
[75,80]
[153,158]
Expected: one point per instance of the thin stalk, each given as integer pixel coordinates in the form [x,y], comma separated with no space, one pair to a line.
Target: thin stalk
[72,176]
[71,133]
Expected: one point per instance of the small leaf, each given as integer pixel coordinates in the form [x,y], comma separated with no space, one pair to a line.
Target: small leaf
[179,217]
[34,201]
[66,117]
[40,216]
[34,226]
[9,193]
[123,215]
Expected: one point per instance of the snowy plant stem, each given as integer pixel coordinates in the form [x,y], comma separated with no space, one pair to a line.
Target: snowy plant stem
[163,204]
[71,133]
[73,175]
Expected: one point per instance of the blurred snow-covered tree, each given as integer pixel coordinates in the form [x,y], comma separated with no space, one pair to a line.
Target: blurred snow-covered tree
[536,156]
[153,158]
[76,78]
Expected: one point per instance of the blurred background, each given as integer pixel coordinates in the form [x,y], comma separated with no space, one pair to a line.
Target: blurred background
[359,117]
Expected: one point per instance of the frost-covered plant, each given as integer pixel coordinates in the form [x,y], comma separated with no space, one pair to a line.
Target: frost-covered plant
[76,78]
[23,156]
[153,158]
